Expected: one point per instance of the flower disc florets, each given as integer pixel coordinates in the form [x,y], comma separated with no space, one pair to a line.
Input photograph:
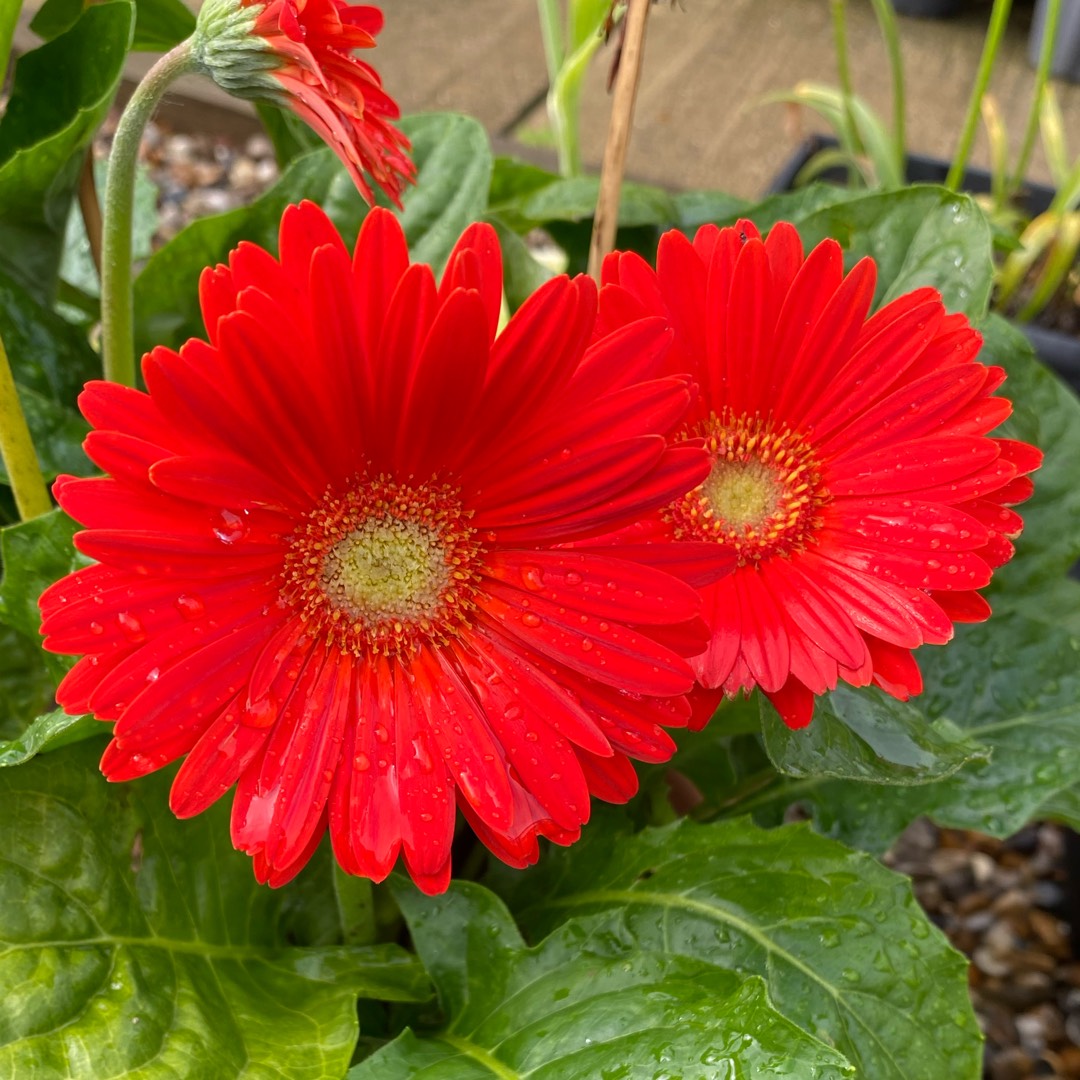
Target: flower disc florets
[763,495]
[384,567]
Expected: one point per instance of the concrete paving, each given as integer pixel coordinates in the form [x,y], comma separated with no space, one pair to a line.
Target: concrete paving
[700,120]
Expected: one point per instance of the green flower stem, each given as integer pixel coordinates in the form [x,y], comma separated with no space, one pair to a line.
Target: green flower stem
[999,16]
[843,71]
[551,31]
[1042,73]
[117,332]
[17,449]
[883,9]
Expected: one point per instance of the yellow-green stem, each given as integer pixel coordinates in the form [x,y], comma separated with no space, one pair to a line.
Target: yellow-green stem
[117,323]
[17,449]
[1042,73]
[999,16]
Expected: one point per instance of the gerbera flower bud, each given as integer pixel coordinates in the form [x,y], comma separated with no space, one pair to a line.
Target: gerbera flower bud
[339,562]
[298,54]
[853,478]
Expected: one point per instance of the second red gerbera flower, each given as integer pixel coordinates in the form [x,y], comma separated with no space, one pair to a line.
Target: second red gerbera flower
[853,477]
[330,563]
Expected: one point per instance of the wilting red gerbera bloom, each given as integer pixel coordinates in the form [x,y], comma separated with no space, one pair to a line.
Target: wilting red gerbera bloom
[299,54]
[331,565]
[853,476]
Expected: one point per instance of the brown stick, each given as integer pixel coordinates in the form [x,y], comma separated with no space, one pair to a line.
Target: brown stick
[618,138]
[90,208]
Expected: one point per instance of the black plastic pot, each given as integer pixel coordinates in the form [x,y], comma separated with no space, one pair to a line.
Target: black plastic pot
[928,9]
[1065,63]
[1060,352]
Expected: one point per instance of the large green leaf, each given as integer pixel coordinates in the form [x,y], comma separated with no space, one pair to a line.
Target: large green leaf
[867,735]
[140,946]
[34,554]
[1013,686]
[161,24]
[921,235]
[453,174]
[581,1004]
[26,686]
[846,951]
[48,124]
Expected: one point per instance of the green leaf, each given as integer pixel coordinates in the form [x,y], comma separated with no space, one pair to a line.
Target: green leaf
[44,133]
[917,236]
[149,944]
[161,24]
[34,553]
[453,174]
[696,208]
[49,731]
[56,16]
[575,200]
[1013,686]
[866,735]
[26,685]
[846,951]
[581,1005]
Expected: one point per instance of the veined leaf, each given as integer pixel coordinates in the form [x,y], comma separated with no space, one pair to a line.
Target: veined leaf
[846,951]
[581,1005]
[144,948]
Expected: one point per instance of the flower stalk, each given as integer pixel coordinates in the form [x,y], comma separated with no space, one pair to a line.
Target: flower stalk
[117,322]
[995,34]
[618,139]
[17,449]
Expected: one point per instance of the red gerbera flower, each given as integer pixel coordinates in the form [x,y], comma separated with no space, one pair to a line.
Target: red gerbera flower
[330,561]
[298,54]
[852,474]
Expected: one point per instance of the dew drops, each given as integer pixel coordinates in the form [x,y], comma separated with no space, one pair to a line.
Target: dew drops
[362,762]
[532,577]
[573,577]
[512,712]
[190,606]
[96,628]
[153,674]
[530,619]
[586,645]
[426,817]
[933,564]
[132,628]
[382,735]
[230,527]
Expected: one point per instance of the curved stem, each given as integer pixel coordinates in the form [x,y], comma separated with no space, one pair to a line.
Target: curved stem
[17,449]
[117,334]
[618,139]
[883,9]
[999,16]
[1042,73]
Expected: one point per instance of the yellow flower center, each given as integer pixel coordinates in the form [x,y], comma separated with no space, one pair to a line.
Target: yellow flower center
[384,566]
[764,494]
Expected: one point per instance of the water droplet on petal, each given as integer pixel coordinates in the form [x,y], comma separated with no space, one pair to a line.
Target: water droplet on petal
[190,606]
[530,619]
[230,527]
[573,577]
[133,629]
[532,577]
